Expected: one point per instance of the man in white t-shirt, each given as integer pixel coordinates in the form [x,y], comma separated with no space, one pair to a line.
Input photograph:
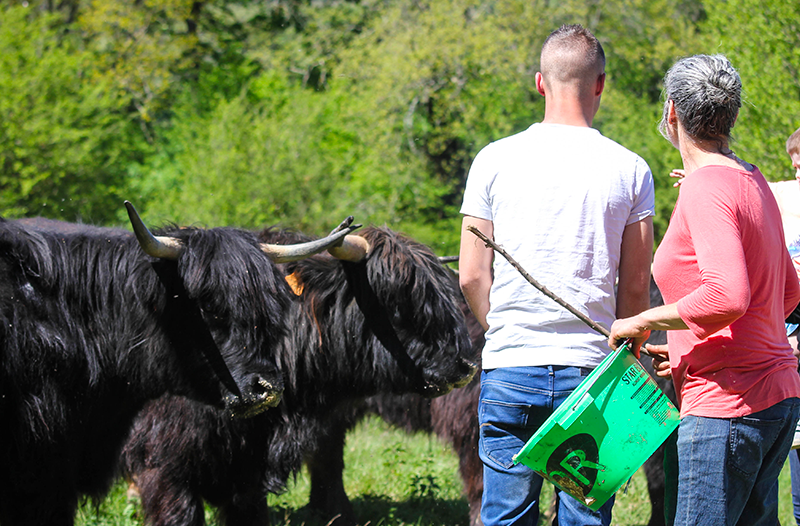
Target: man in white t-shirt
[575,210]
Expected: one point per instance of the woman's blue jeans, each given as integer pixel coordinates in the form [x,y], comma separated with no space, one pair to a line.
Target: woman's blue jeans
[728,467]
[514,403]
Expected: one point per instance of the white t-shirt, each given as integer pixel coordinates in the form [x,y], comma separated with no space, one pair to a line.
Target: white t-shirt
[559,198]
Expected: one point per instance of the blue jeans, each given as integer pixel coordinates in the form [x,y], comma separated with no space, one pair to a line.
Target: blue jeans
[514,403]
[794,466]
[728,467]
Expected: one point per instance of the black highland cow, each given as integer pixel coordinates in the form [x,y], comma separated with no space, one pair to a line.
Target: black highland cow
[387,323]
[91,328]
[453,418]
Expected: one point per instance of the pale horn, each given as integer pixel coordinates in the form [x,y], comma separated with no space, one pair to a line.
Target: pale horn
[170,248]
[158,247]
[338,239]
[352,248]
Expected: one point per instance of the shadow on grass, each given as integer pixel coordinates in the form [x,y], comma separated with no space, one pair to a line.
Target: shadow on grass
[379,510]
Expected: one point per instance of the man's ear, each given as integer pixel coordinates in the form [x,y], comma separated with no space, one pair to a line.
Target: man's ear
[601,83]
[540,83]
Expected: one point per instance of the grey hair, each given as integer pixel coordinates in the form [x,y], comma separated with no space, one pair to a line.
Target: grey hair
[707,93]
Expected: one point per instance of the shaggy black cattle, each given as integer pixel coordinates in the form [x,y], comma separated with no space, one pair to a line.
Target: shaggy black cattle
[387,323]
[91,328]
[454,420]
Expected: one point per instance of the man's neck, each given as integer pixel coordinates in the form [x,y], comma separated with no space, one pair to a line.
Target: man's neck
[568,112]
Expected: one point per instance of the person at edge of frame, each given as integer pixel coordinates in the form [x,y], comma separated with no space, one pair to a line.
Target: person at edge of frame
[787,194]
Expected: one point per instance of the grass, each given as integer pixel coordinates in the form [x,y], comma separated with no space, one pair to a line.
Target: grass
[395,479]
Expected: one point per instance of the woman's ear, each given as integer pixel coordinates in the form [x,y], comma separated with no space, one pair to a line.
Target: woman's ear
[672,116]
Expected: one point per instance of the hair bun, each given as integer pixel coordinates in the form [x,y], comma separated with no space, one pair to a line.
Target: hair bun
[723,87]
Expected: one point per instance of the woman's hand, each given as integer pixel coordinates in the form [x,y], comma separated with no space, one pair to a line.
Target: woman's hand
[660,360]
[632,328]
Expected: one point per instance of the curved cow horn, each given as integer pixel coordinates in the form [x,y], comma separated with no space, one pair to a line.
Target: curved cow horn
[353,248]
[158,247]
[336,240]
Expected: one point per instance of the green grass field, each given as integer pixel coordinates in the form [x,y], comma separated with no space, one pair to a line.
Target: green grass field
[395,479]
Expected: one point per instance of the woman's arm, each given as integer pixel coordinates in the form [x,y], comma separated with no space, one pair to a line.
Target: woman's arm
[708,210]
[638,327]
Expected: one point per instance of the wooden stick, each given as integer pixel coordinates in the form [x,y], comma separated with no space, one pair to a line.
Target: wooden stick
[581,316]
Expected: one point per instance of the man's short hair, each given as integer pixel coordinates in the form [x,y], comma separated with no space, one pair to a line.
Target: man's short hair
[572,55]
[793,143]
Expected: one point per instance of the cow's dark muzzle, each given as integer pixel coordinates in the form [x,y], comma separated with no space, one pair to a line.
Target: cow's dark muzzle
[465,371]
[468,370]
[258,395]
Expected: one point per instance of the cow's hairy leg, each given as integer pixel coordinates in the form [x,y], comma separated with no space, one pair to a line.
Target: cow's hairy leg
[471,469]
[245,509]
[166,503]
[37,494]
[325,467]
[654,471]
[52,512]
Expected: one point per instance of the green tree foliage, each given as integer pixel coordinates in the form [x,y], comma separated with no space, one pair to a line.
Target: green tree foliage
[449,77]
[762,40]
[65,138]
[282,159]
[300,112]
[141,48]
[303,39]
[642,39]
[435,81]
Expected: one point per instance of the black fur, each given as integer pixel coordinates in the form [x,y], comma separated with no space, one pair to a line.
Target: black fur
[330,358]
[89,333]
[453,418]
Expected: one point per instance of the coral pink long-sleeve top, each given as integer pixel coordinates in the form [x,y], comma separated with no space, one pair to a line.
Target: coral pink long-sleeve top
[724,261]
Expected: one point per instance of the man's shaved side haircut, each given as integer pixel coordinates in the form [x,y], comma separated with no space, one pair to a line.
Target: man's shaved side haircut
[572,55]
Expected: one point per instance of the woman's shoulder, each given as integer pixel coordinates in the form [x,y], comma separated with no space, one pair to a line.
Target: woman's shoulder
[714,176]
[711,184]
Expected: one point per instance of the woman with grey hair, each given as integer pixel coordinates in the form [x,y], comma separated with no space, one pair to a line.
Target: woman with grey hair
[728,284]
